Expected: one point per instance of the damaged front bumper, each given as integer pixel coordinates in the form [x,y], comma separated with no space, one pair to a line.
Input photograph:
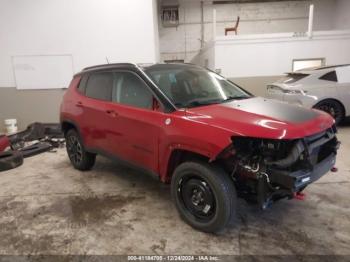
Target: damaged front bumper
[310,159]
[274,169]
[298,180]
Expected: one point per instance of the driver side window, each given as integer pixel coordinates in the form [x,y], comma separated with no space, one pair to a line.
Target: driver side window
[129,89]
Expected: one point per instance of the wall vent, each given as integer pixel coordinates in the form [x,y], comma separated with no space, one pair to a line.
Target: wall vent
[170,13]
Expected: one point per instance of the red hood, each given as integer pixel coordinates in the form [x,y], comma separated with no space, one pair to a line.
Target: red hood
[263,118]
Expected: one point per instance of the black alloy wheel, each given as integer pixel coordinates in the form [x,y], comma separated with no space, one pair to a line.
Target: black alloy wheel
[74,149]
[79,157]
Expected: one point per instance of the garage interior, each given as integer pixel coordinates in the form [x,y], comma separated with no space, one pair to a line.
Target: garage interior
[49,208]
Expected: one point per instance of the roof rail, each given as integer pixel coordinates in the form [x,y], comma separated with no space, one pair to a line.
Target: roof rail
[108,65]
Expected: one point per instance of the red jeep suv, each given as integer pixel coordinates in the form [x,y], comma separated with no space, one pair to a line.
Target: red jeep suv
[209,138]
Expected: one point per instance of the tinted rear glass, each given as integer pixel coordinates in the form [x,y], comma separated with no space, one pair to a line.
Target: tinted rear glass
[331,76]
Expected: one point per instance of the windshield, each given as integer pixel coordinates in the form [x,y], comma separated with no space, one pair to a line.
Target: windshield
[190,86]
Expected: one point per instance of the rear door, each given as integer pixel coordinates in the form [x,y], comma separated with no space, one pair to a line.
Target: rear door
[138,121]
[96,116]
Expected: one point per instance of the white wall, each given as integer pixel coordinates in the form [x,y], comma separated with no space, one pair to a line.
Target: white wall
[206,57]
[342,17]
[123,31]
[270,55]
[183,42]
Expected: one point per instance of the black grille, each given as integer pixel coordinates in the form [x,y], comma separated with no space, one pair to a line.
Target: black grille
[321,145]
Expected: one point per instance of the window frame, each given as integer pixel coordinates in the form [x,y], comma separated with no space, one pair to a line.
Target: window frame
[321,59]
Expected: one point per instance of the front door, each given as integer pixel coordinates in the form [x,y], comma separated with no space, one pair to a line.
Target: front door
[138,124]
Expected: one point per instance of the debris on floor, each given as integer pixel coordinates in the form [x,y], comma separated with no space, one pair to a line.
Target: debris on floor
[10,159]
[36,139]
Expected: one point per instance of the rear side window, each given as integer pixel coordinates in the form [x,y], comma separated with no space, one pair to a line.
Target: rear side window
[100,86]
[331,76]
[129,89]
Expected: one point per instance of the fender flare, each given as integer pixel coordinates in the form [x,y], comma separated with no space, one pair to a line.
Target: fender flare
[71,122]
[164,168]
[190,148]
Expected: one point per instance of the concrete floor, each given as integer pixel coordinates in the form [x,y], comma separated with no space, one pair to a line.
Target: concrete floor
[47,207]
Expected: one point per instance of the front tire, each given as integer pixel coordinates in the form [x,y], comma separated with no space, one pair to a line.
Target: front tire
[79,157]
[204,195]
[332,107]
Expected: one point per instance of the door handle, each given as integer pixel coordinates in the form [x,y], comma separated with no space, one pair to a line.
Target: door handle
[112,113]
[79,104]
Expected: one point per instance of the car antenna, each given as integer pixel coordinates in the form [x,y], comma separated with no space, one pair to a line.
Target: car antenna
[107,60]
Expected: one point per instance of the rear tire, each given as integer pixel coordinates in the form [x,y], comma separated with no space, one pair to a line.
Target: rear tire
[204,195]
[79,157]
[332,107]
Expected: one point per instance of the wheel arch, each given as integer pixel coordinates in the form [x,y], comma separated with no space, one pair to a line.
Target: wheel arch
[180,155]
[332,99]
[66,125]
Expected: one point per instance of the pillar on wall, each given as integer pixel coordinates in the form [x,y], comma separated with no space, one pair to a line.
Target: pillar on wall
[311,21]
[214,24]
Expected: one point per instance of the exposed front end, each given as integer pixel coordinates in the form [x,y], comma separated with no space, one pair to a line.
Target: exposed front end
[268,170]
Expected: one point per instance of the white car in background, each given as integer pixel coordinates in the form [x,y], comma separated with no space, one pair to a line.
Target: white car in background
[323,88]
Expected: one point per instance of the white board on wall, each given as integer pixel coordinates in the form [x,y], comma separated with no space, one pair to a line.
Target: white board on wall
[43,71]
